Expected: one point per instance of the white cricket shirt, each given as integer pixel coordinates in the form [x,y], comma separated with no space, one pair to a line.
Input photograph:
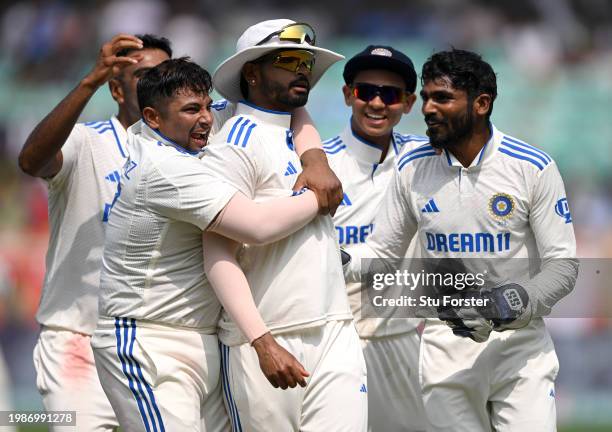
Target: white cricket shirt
[364,182]
[80,198]
[153,265]
[296,282]
[509,203]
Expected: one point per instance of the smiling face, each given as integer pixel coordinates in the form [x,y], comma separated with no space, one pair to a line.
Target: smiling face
[448,113]
[184,118]
[374,119]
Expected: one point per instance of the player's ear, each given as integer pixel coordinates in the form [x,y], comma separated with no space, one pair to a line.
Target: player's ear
[116,90]
[409,102]
[346,91]
[482,104]
[152,117]
[250,72]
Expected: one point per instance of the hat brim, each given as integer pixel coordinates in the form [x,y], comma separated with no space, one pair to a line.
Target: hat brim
[358,64]
[226,79]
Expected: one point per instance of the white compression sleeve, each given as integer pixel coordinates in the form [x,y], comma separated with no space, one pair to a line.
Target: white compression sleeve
[246,221]
[230,284]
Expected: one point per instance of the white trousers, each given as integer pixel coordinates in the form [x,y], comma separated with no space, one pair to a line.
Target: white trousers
[67,380]
[505,384]
[334,400]
[159,378]
[394,393]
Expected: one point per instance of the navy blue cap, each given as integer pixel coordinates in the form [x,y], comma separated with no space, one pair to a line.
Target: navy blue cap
[381,57]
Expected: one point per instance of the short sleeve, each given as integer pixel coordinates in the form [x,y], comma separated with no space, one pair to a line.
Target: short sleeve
[187,193]
[70,154]
[221,110]
[233,165]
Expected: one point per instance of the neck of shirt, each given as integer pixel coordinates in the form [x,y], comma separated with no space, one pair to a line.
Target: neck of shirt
[278,118]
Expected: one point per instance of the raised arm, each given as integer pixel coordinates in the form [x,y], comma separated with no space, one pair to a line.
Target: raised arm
[41,155]
[316,174]
[232,290]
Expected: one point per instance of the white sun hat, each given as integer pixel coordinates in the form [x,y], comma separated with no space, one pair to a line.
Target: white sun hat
[226,79]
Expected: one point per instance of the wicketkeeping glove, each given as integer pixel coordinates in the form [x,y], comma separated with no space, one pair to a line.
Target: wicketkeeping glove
[502,308]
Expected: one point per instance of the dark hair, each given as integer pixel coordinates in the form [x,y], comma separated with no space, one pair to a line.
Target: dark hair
[149,41]
[466,71]
[170,77]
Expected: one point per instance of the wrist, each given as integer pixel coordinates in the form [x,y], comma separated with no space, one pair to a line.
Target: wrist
[262,342]
[313,156]
[88,84]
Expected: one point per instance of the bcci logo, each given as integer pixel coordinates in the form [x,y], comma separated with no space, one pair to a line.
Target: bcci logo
[501,206]
[562,209]
[381,52]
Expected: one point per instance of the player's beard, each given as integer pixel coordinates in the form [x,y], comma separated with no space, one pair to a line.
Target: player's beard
[458,128]
[282,95]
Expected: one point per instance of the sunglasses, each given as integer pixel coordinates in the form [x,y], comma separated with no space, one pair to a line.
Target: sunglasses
[291,60]
[296,32]
[388,94]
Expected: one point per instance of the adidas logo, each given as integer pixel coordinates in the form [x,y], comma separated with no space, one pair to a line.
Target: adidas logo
[290,169]
[363,389]
[345,200]
[430,207]
[552,393]
[113,177]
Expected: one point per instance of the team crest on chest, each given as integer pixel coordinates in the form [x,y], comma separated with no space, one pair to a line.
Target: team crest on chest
[501,207]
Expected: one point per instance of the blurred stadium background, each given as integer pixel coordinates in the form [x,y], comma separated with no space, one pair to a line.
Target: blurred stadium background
[554,65]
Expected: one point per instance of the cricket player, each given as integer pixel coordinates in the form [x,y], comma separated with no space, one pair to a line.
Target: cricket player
[81,165]
[491,196]
[155,344]
[379,87]
[296,283]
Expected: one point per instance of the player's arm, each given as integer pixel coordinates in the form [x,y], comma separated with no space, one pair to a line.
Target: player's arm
[247,221]
[316,174]
[394,227]
[552,226]
[232,289]
[41,155]
[515,304]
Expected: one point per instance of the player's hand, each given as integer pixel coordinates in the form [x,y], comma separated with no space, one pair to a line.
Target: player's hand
[108,63]
[277,364]
[502,308]
[317,176]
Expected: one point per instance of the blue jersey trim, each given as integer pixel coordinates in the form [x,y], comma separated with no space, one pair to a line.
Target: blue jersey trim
[414,157]
[522,157]
[248,134]
[332,146]
[336,150]
[239,134]
[175,145]
[423,148]
[233,129]
[117,139]
[219,105]
[364,141]
[331,140]
[263,109]
[525,151]
[524,144]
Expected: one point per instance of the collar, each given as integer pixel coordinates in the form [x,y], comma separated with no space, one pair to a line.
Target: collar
[144,130]
[119,129]
[483,155]
[363,150]
[277,118]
